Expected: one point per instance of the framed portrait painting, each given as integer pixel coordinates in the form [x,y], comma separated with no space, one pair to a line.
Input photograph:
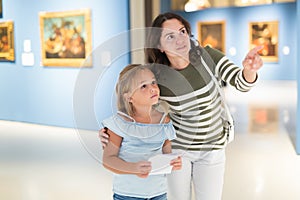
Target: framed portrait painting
[265,34]
[66,38]
[7,50]
[212,34]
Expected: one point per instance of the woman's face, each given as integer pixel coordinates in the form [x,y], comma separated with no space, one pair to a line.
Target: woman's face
[174,40]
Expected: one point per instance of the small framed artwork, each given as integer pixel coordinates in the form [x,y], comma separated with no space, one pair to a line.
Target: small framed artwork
[212,34]
[265,34]
[66,38]
[7,50]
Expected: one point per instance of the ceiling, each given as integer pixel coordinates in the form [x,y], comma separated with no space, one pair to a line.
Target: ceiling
[202,4]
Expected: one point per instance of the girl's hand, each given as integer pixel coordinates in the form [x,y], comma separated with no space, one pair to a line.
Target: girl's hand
[176,163]
[143,168]
[104,137]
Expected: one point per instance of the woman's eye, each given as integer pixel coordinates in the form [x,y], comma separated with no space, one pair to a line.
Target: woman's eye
[154,82]
[183,32]
[143,86]
[169,37]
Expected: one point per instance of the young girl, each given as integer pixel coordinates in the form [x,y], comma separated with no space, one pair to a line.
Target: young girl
[137,132]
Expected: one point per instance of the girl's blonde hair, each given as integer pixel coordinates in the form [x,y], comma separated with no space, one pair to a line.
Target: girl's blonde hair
[124,87]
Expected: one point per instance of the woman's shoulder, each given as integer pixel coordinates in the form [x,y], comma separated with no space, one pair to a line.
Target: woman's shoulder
[215,54]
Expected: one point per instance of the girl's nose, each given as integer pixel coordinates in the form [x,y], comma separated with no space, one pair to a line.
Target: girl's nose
[153,88]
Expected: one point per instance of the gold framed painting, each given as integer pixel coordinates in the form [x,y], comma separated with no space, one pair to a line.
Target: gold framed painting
[66,38]
[265,34]
[7,50]
[212,34]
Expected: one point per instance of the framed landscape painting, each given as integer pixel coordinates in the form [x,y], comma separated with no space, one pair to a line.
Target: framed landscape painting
[265,34]
[7,50]
[66,38]
[212,34]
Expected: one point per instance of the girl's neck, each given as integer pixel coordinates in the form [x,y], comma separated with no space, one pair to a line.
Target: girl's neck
[144,116]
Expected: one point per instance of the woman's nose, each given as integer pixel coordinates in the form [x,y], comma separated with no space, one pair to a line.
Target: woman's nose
[179,40]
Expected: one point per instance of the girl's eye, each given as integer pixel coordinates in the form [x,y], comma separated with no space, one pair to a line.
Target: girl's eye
[143,86]
[154,82]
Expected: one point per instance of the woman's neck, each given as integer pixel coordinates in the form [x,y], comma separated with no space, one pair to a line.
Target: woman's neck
[179,63]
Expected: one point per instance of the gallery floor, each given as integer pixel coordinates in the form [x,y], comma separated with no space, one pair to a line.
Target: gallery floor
[40,162]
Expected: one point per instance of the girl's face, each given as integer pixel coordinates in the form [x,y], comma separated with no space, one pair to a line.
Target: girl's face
[174,40]
[145,90]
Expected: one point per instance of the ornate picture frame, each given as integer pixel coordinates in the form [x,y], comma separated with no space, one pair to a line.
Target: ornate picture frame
[7,50]
[265,33]
[66,38]
[212,34]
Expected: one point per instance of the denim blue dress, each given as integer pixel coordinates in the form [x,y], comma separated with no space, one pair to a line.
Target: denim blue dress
[140,142]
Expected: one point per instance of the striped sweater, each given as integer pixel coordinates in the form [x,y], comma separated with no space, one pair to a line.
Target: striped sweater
[195,103]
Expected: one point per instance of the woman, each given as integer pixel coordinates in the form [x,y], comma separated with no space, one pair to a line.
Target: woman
[194,103]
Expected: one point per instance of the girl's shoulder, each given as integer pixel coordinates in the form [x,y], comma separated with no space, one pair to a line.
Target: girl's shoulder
[157,117]
[160,114]
[165,118]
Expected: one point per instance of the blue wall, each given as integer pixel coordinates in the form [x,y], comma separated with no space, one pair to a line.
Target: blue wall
[72,97]
[298,82]
[45,95]
[237,33]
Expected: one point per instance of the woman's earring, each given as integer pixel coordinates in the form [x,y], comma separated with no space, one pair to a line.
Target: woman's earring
[162,51]
[194,40]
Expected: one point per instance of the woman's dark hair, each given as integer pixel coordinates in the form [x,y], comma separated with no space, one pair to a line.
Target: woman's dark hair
[152,52]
